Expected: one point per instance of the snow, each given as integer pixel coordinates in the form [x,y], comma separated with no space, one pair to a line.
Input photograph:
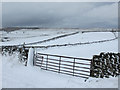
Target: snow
[82,37]
[16,75]
[83,51]
[20,36]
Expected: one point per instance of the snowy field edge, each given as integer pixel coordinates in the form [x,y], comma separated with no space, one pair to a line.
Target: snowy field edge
[16,75]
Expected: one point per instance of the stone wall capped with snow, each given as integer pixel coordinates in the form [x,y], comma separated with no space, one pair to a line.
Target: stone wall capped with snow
[105,65]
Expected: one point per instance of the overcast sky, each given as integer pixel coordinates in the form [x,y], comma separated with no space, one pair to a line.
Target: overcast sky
[59,15]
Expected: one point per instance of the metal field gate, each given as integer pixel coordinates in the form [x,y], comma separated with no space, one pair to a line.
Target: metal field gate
[78,67]
[100,66]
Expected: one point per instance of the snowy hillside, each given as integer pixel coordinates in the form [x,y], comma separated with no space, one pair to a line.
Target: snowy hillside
[16,75]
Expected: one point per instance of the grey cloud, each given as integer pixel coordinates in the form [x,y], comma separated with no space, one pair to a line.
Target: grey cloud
[77,15]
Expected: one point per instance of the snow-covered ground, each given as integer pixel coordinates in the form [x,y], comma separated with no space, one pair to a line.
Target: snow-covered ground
[85,51]
[18,76]
[82,37]
[24,35]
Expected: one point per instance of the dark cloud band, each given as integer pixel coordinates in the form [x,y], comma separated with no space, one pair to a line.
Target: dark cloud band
[74,15]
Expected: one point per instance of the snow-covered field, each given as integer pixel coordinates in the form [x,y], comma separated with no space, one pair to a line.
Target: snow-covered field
[28,36]
[18,76]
